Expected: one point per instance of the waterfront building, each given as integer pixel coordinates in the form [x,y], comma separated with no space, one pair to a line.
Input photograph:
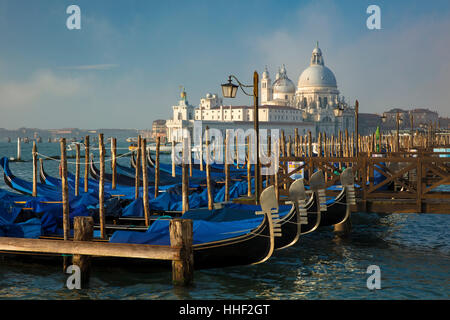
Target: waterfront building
[310,106]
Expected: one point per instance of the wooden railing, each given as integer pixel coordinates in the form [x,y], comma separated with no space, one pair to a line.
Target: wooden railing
[401,175]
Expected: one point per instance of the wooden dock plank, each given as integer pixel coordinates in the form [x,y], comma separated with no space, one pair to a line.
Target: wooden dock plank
[105,249]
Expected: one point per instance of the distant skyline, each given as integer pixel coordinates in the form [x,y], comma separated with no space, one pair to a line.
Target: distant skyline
[124,68]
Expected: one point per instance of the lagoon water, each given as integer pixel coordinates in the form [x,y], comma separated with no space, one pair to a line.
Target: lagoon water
[411,250]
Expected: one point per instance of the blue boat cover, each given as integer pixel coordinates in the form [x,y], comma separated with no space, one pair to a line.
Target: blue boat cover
[203,232]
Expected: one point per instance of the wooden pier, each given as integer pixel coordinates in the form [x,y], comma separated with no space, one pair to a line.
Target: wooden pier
[412,171]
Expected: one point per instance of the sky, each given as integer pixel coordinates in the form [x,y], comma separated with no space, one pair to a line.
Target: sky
[125,66]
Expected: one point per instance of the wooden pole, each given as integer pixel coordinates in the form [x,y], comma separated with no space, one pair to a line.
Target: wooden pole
[201,152]
[113,163]
[145,181]
[101,187]
[173,159]
[319,145]
[226,167]
[158,143]
[310,155]
[137,178]
[356,126]
[208,171]
[86,164]
[65,198]
[258,186]
[77,169]
[83,231]
[34,154]
[181,236]
[185,176]
[249,169]
[18,149]
[269,155]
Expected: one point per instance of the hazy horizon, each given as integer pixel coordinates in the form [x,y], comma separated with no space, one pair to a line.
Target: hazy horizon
[124,68]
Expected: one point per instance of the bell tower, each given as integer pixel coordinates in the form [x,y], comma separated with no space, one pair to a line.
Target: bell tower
[266,87]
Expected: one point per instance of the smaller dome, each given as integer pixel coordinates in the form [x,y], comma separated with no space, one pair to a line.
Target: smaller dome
[283,85]
[208,95]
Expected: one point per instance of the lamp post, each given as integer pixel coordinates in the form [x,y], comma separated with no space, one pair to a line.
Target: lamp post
[229,90]
[411,120]
[356,128]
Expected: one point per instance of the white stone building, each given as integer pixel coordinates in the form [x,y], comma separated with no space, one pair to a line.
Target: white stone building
[309,106]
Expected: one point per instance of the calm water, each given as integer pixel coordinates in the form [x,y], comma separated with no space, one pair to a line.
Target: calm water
[412,251]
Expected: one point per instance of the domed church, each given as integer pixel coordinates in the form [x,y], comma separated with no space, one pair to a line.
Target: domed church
[314,105]
[316,94]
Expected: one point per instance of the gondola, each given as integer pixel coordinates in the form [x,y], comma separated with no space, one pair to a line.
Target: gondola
[290,216]
[253,242]
[337,209]
[25,187]
[215,244]
[120,179]
[125,192]
[165,180]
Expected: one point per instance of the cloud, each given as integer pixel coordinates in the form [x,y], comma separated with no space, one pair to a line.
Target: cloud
[41,85]
[91,67]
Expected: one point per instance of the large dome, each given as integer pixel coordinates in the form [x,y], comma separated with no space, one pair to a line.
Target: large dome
[317,75]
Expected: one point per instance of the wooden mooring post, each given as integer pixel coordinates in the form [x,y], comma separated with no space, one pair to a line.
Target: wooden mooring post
[65,199]
[83,231]
[113,163]
[145,181]
[227,167]
[137,178]
[34,154]
[158,143]
[181,236]
[186,157]
[208,171]
[101,187]
[77,169]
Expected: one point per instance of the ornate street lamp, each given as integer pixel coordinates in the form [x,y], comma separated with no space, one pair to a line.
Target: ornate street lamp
[338,111]
[229,90]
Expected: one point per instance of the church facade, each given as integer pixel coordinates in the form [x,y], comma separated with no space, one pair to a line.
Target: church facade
[312,105]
